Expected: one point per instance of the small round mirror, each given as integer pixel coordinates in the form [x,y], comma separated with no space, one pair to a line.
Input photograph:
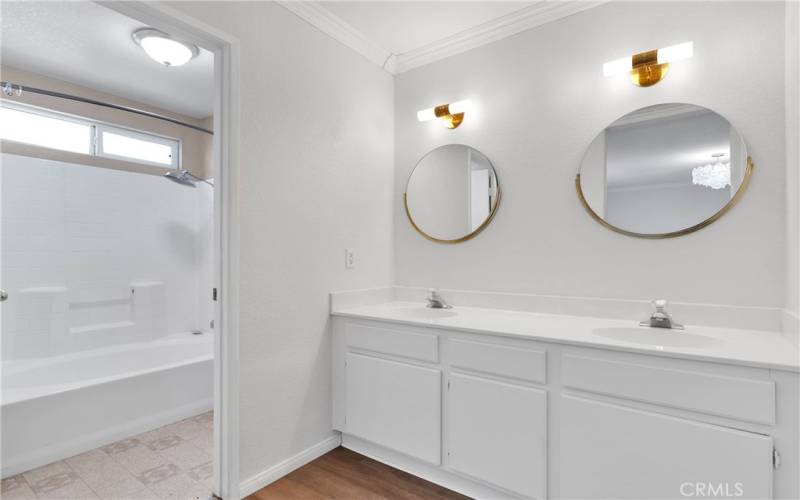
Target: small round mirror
[663,171]
[452,194]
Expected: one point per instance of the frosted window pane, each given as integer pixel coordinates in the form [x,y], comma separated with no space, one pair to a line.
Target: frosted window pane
[45,131]
[138,149]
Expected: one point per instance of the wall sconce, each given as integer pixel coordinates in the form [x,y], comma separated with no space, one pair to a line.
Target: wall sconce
[451,114]
[649,68]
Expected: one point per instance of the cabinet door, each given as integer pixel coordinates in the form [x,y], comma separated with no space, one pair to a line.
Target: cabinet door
[610,451]
[396,405]
[498,433]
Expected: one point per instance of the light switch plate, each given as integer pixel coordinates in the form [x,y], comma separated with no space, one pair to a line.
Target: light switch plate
[350,258]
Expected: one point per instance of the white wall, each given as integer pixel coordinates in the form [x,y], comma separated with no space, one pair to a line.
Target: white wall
[316,176]
[540,100]
[94,257]
[793,155]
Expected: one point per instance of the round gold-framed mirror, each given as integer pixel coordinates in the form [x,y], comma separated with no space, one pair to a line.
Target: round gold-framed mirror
[452,194]
[664,171]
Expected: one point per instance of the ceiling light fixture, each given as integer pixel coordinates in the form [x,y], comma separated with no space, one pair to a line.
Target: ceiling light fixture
[451,114]
[649,68]
[163,48]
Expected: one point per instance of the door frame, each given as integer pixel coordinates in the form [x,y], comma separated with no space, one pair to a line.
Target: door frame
[226,227]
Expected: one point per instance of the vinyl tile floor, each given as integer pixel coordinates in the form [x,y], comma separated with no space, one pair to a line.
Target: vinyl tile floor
[172,462]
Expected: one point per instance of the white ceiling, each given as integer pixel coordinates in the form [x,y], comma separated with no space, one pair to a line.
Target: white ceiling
[90,45]
[401,27]
[402,35]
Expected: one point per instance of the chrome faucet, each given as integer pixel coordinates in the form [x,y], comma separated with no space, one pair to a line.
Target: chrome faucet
[436,301]
[660,318]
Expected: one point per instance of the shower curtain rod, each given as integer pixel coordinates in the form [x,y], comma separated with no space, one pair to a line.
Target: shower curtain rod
[11,89]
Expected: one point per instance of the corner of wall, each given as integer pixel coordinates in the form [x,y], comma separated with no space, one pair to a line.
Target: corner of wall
[792,129]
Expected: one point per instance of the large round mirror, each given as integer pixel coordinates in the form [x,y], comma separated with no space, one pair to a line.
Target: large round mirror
[452,194]
[663,171]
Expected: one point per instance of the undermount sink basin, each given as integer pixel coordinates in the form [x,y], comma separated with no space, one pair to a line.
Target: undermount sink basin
[658,337]
[426,312]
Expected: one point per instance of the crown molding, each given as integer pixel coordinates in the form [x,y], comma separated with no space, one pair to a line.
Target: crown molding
[542,12]
[324,20]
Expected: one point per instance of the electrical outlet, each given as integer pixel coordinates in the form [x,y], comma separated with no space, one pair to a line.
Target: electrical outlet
[350,258]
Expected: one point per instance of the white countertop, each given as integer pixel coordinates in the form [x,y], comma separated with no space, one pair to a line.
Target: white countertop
[742,347]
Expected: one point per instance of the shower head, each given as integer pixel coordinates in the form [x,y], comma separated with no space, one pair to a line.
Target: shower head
[185,178]
[181,177]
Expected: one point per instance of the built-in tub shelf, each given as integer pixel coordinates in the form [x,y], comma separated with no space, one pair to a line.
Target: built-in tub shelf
[101,327]
[78,321]
[101,302]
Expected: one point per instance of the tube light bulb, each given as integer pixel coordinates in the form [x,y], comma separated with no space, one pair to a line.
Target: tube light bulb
[623,65]
[426,114]
[460,107]
[675,52]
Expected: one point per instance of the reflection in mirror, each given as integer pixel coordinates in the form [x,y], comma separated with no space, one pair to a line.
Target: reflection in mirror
[452,194]
[663,171]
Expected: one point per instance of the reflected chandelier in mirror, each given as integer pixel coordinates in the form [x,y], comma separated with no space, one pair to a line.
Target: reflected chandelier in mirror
[664,171]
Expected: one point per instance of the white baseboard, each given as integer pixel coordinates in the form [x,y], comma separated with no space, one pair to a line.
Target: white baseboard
[442,476]
[81,444]
[277,471]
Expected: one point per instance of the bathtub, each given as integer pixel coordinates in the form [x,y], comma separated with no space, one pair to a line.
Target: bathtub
[53,408]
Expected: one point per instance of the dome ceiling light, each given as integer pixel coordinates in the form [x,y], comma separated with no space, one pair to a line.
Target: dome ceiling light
[163,48]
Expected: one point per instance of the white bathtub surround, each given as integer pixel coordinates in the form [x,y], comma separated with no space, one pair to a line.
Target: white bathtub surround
[94,257]
[168,462]
[57,407]
[767,319]
[496,403]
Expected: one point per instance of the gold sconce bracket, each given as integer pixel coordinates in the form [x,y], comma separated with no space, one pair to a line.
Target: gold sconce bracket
[646,69]
[451,120]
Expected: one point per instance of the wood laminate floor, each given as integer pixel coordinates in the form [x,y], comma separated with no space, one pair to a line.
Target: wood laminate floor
[344,474]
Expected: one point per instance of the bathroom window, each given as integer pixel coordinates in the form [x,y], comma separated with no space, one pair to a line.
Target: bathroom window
[134,146]
[49,131]
[38,127]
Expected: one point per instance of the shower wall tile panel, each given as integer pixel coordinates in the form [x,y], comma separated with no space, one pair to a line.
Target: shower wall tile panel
[94,257]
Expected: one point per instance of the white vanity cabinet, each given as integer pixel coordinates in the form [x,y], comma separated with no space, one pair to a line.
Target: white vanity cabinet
[496,416]
[395,404]
[390,389]
[497,433]
[664,428]
[613,451]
